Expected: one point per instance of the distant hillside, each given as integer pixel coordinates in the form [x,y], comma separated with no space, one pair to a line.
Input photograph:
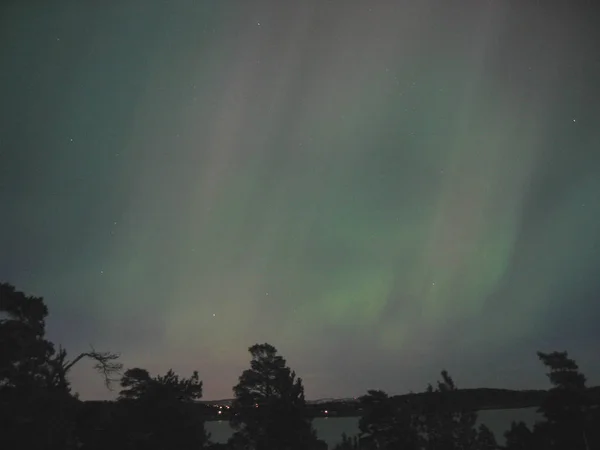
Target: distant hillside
[479,399]
[471,399]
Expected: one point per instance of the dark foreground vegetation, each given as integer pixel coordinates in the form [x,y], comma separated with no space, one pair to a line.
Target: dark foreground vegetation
[268,412]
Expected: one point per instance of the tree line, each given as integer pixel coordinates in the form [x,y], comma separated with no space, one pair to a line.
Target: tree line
[38,410]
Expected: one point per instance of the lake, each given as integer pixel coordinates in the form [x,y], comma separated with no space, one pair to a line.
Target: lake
[330,429]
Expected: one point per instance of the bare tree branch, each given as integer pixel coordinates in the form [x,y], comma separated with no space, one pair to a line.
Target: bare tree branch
[106,364]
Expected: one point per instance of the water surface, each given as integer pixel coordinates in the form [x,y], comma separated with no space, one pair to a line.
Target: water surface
[330,429]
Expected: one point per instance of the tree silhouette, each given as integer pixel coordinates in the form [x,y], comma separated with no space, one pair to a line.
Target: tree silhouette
[520,437]
[387,425]
[566,406]
[161,412]
[25,356]
[571,419]
[445,424]
[485,439]
[36,404]
[349,443]
[35,412]
[433,420]
[29,360]
[106,364]
[268,411]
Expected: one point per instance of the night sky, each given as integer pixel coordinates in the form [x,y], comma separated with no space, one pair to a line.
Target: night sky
[380,189]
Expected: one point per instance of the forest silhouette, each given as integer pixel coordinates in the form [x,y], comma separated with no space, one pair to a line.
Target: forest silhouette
[38,410]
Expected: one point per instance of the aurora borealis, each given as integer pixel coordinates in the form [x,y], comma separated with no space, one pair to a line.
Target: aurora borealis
[379,189]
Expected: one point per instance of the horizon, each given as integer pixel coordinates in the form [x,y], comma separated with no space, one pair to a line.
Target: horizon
[591,384]
[356,399]
[324,399]
[381,190]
